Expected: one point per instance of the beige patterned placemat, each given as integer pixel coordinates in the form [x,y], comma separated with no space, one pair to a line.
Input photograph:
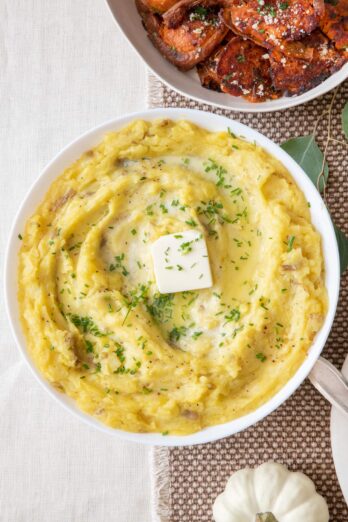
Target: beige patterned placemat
[187,480]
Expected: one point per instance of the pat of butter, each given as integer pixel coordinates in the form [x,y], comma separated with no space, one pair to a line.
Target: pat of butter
[181,262]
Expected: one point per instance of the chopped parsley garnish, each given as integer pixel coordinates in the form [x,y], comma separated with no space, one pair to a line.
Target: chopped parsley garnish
[240,58]
[211,208]
[20,237]
[241,215]
[233,315]
[176,333]
[191,222]
[76,246]
[120,353]
[161,308]
[135,297]
[261,357]
[267,9]
[262,303]
[118,265]
[232,134]
[133,231]
[149,210]
[219,171]
[213,233]
[212,211]
[290,243]
[205,15]
[86,325]
[195,335]
[147,390]
[122,370]
[186,247]
[200,13]
[89,346]
[164,209]
[236,331]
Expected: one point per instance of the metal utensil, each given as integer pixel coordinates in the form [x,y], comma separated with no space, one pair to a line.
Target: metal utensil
[331,383]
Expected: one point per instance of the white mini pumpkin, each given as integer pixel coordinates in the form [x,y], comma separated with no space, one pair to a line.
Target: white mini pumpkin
[270,493]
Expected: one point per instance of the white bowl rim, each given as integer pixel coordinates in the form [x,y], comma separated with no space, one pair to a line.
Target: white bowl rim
[212,122]
[330,83]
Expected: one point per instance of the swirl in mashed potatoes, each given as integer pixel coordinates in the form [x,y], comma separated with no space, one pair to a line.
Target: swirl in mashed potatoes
[97,327]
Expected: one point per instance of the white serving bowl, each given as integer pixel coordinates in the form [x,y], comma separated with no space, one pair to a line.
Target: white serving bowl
[187,83]
[320,218]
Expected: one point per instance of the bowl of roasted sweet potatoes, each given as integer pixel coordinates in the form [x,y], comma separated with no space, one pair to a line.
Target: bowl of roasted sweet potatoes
[243,55]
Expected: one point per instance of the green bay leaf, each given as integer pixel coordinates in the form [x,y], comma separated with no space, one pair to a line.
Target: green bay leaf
[305,151]
[342,241]
[345,120]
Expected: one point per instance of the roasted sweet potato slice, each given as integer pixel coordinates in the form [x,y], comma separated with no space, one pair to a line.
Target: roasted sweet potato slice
[334,23]
[243,70]
[294,76]
[271,22]
[159,6]
[176,15]
[295,48]
[190,42]
[207,70]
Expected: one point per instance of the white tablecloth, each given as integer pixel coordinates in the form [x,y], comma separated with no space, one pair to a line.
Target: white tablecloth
[64,67]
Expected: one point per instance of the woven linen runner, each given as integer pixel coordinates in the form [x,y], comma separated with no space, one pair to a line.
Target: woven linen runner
[187,480]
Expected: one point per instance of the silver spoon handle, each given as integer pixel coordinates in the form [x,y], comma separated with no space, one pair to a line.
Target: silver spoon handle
[330,383]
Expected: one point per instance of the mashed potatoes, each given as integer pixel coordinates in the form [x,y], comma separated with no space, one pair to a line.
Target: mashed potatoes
[95,323]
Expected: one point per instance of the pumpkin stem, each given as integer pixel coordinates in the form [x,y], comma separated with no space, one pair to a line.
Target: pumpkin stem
[265,517]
